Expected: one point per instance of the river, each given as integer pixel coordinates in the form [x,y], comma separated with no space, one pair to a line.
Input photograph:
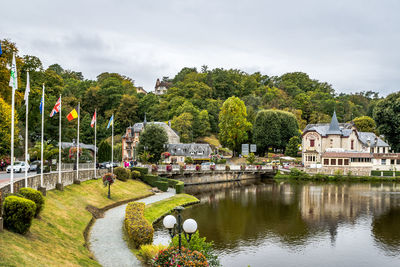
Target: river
[298,223]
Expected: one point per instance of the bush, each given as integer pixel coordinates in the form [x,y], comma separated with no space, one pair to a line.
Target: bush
[180,187]
[135,175]
[148,252]
[199,244]
[138,229]
[297,174]
[188,160]
[150,179]
[187,258]
[163,186]
[222,161]
[143,171]
[121,174]
[321,177]
[251,158]
[18,214]
[34,195]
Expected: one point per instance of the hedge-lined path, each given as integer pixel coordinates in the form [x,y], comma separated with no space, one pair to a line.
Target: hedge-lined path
[107,238]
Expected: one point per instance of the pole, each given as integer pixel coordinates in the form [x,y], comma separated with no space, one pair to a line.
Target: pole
[77,146]
[112,145]
[59,146]
[12,135]
[180,231]
[41,147]
[95,128]
[26,133]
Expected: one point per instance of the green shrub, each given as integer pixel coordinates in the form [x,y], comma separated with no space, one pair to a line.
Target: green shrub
[180,187]
[199,244]
[163,186]
[138,229]
[297,174]
[148,252]
[18,214]
[121,174]
[186,258]
[34,195]
[188,160]
[150,179]
[135,175]
[143,171]
[321,177]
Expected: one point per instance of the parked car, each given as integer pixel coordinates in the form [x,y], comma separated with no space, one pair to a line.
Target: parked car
[35,165]
[285,165]
[103,165]
[19,166]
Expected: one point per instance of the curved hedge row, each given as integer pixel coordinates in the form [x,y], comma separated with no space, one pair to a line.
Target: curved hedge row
[139,230]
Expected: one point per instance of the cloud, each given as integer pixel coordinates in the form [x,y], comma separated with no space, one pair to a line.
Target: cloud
[351,44]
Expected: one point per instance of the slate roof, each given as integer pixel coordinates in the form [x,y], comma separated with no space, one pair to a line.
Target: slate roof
[347,155]
[323,128]
[190,150]
[334,126]
[364,137]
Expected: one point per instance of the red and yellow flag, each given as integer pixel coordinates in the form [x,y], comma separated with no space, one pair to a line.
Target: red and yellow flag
[72,115]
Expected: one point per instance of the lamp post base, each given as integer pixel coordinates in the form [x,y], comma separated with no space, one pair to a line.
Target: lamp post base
[1,224]
[42,190]
[60,186]
[77,182]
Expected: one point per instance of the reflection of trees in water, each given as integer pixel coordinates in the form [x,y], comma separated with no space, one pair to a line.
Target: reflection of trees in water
[292,213]
[386,230]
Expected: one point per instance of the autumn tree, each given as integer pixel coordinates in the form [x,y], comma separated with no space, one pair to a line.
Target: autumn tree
[233,124]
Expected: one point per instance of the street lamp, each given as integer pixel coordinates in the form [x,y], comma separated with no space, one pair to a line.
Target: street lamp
[189,226]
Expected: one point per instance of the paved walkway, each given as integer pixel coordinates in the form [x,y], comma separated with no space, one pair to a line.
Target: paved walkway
[107,240]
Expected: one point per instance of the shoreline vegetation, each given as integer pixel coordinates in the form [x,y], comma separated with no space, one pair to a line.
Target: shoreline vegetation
[57,237]
[296,174]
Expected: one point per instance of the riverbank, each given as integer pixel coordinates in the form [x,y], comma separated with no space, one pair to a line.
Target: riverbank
[300,175]
[57,237]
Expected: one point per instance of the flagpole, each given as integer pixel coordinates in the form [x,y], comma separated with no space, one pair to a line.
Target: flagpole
[12,124]
[26,129]
[95,128]
[112,145]
[41,147]
[59,146]
[77,150]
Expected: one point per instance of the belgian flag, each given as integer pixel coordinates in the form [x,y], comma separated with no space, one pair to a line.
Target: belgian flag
[72,115]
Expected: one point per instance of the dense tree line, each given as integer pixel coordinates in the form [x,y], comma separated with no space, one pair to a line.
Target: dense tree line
[193,103]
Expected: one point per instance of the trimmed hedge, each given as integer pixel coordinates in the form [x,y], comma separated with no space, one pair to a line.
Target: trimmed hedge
[138,229]
[150,179]
[34,195]
[163,186]
[178,185]
[135,175]
[385,173]
[143,171]
[18,214]
[121,173]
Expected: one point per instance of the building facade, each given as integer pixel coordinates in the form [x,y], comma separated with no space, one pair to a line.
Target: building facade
[341,146]
[131,138]
[161,87]
[179,152]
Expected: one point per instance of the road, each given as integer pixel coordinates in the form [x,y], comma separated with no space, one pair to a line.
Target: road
[5,177]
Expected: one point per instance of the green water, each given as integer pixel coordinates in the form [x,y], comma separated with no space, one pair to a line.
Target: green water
[299,224]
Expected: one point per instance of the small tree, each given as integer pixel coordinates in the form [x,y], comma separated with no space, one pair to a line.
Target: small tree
[108,179]
[251,158]
[188,160]
[145,156]
[48,152]
[152,140]
[293,146]
[104,151]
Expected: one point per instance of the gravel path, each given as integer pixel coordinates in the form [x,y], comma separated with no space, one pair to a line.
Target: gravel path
[107,240]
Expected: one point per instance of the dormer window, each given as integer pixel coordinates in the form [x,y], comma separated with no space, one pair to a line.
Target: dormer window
[352,145]
[312,142]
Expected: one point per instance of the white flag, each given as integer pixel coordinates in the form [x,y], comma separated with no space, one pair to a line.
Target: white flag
[28,88]
[13,77]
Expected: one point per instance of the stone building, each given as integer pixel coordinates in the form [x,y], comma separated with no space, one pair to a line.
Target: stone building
[131,138]
[341,146]
[140,90]
[198,152]
[161,87]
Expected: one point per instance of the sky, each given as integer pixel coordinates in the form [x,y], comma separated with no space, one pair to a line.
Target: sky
[351,44]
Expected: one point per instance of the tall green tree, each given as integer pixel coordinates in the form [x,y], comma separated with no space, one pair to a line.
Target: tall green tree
[365,124]
[152,139]
[292,147]
[267,131]
[104,153]
[183,124]
[233,124]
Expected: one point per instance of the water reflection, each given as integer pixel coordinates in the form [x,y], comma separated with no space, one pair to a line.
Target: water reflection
[301,223]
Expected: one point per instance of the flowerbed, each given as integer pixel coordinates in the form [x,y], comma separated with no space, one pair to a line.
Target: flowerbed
[171,257]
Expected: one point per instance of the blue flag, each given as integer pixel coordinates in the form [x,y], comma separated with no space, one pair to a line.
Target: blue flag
[110,122]
[0,49]
[41,106]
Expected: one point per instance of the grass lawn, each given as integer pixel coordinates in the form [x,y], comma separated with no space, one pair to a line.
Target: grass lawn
[56,238]
[158,209]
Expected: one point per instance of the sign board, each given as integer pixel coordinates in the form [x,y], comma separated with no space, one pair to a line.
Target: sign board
[245,149]
[253,148]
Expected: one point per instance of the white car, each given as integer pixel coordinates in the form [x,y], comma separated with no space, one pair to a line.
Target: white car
[19,166]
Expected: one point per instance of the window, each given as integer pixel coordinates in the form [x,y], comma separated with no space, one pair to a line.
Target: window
[398,162]
[383,161]
[346,161]
[312,143]
[333,161]
[340,161]
[326,161]
[392,161]
[372,150]
[352,145]
[331,143]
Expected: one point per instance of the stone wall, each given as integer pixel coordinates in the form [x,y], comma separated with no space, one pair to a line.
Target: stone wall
[51,179]
[357,171]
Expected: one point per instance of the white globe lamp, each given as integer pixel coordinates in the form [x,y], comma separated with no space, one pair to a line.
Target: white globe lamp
[190,226]
[169,221]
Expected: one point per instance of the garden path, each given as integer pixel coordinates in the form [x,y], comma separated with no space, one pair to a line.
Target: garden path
[107,238]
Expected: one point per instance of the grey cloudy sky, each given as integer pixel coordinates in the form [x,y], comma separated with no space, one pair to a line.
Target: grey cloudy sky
[352,44]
